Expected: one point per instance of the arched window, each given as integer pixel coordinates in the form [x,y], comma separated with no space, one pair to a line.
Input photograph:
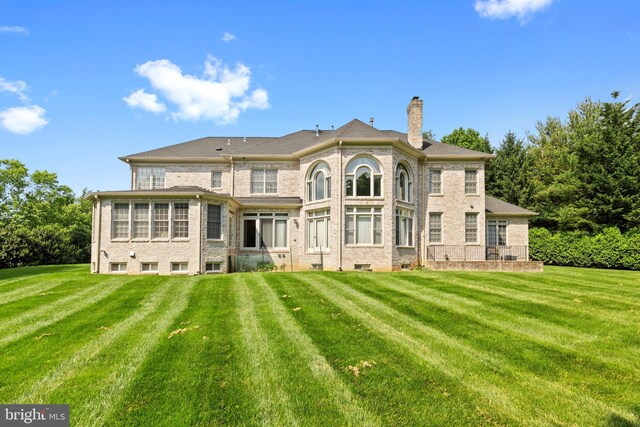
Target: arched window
[319,182]
[404,186]
[364,178]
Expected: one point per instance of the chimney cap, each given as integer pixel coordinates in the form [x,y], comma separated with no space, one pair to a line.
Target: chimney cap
[416,97]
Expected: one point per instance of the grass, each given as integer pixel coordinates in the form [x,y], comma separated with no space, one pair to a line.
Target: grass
[324,348]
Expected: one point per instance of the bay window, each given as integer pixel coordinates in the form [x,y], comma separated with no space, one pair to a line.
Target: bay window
[181,220]
[319,182]
[404,227]
[363,226]
[364,178]
[404,186]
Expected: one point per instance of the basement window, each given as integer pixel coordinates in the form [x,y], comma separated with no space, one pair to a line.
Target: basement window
[179,267]
[149,267]
[118,267]
[362,267]
[213,267]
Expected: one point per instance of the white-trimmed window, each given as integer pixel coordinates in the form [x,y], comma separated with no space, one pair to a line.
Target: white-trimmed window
[141,220]
[181,220]
[496,232]
[214,222]
[435,227]
[404,227]
[118,267]
[120,215]
[318,230]
[364,178]
[149,267]
[319,182]
[180,267]
[435,181]
[213,267]
[264,181]
[161,220]
[363,225]
[148,178]
[265,230]
[216,179]
[404,185]
[471,227]
[471,181]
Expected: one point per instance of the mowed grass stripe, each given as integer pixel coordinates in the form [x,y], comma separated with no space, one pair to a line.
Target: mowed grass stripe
[84,355]
[45,315]
[273,401]
[495,317]
[338,393]
[12,276]
[494,376]
[37,355]
[503,288]
[108,375]
[30,290]
[198,377]
[401,388]
[596,367]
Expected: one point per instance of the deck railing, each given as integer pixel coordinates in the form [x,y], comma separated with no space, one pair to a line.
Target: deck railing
[477,253]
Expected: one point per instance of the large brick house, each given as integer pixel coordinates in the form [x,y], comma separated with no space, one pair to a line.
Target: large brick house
[346,199]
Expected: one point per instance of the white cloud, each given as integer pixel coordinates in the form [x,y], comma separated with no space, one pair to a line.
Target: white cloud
[17,88]
[146,101]
[227,37]
[19,30]
[221,94]
[503,9]
[23,120]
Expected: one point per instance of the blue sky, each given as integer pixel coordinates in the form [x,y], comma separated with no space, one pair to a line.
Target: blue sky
[82,83]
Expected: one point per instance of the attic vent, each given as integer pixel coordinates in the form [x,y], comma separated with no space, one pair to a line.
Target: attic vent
[244,139]
[317,130]
[371,121]
[219,149]
[332,128]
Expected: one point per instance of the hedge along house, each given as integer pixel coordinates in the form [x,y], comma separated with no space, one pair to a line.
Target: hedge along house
[353,198]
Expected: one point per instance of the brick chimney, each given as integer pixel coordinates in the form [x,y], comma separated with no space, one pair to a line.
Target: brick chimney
[414,128]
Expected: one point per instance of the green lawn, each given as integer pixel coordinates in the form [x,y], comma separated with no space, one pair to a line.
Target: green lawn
[410,348]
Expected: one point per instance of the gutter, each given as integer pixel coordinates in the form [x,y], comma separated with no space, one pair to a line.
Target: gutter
[340,203]
[98,205]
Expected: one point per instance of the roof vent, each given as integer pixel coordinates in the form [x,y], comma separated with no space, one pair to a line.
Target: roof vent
[371,121]
[332,128]
[244,139]
[219,149]
[317,130]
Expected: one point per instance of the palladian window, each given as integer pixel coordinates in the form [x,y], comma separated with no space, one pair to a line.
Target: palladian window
[364,178]
[404,186]
[319,182]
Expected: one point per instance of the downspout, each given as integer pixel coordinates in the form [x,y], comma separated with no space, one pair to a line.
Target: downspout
[233,178]
[199,234]
[423,213]
[99,207]
[340,216]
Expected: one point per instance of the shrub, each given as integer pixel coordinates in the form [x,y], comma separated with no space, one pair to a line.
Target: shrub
[609,248]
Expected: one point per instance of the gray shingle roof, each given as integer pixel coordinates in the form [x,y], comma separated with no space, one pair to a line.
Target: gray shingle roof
[211,147]
[497,206]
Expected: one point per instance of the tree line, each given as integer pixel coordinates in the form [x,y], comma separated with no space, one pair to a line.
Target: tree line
[580,173]
[41,220]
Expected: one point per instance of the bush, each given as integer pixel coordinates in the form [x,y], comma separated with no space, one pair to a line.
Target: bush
[608,249]
[48,244]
